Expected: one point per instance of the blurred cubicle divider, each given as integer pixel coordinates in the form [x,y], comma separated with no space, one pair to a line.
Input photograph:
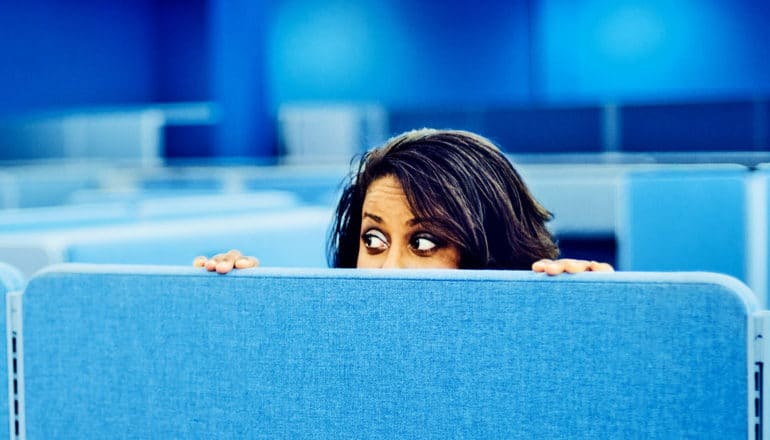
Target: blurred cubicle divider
[329,132]
[527,130]
[662,216]
[54,183]
[168,215]
[717,126]
[313,183]
[132,207]
[638,210]
[689,217]
[48,183]
[279,236]
[119,135]
[758,231]
[638,216]
[585,194]
[129,134]
[694,127]
[583,201]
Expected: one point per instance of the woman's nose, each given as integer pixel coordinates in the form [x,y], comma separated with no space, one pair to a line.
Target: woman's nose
[394,260]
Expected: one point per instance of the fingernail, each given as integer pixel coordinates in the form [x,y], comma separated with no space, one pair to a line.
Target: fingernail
[224,266]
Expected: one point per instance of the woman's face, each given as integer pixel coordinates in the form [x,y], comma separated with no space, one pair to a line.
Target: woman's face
[391,236]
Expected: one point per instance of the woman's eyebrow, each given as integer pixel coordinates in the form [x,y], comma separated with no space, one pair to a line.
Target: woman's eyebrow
[419,220]
[376,218]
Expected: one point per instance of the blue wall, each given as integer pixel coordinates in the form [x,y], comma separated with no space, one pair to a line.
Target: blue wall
[401,53]
[59,54]
[181,50]
[621,50]
[412,56]
[62,54]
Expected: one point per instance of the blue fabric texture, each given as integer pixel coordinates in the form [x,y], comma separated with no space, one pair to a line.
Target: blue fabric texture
[158,352]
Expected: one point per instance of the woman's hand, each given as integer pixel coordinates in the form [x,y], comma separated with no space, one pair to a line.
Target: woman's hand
[569,265]
[224,263]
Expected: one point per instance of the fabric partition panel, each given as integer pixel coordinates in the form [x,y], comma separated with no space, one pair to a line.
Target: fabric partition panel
[139,206]
[688,218]
[166,352]
[282,237]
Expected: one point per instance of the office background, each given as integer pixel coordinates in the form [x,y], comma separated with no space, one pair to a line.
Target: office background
[537,76]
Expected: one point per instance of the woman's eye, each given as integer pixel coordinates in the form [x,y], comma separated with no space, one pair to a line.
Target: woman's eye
[423,244]
[375,240]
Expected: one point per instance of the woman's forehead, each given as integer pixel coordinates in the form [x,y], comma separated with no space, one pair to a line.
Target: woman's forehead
[385,190]
[387,183]
[385,198]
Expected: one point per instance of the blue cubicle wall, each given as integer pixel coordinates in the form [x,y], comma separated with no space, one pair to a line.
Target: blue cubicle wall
[758,231]
[282,237]
[116,208]
[175,352]
[685,218]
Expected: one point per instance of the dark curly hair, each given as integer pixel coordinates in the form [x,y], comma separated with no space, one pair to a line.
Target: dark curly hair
[464,185]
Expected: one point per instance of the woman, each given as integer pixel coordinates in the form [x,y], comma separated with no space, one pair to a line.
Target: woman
[436,199]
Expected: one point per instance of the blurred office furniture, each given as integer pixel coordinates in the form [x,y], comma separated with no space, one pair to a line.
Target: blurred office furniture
[128,134]
[329,132]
